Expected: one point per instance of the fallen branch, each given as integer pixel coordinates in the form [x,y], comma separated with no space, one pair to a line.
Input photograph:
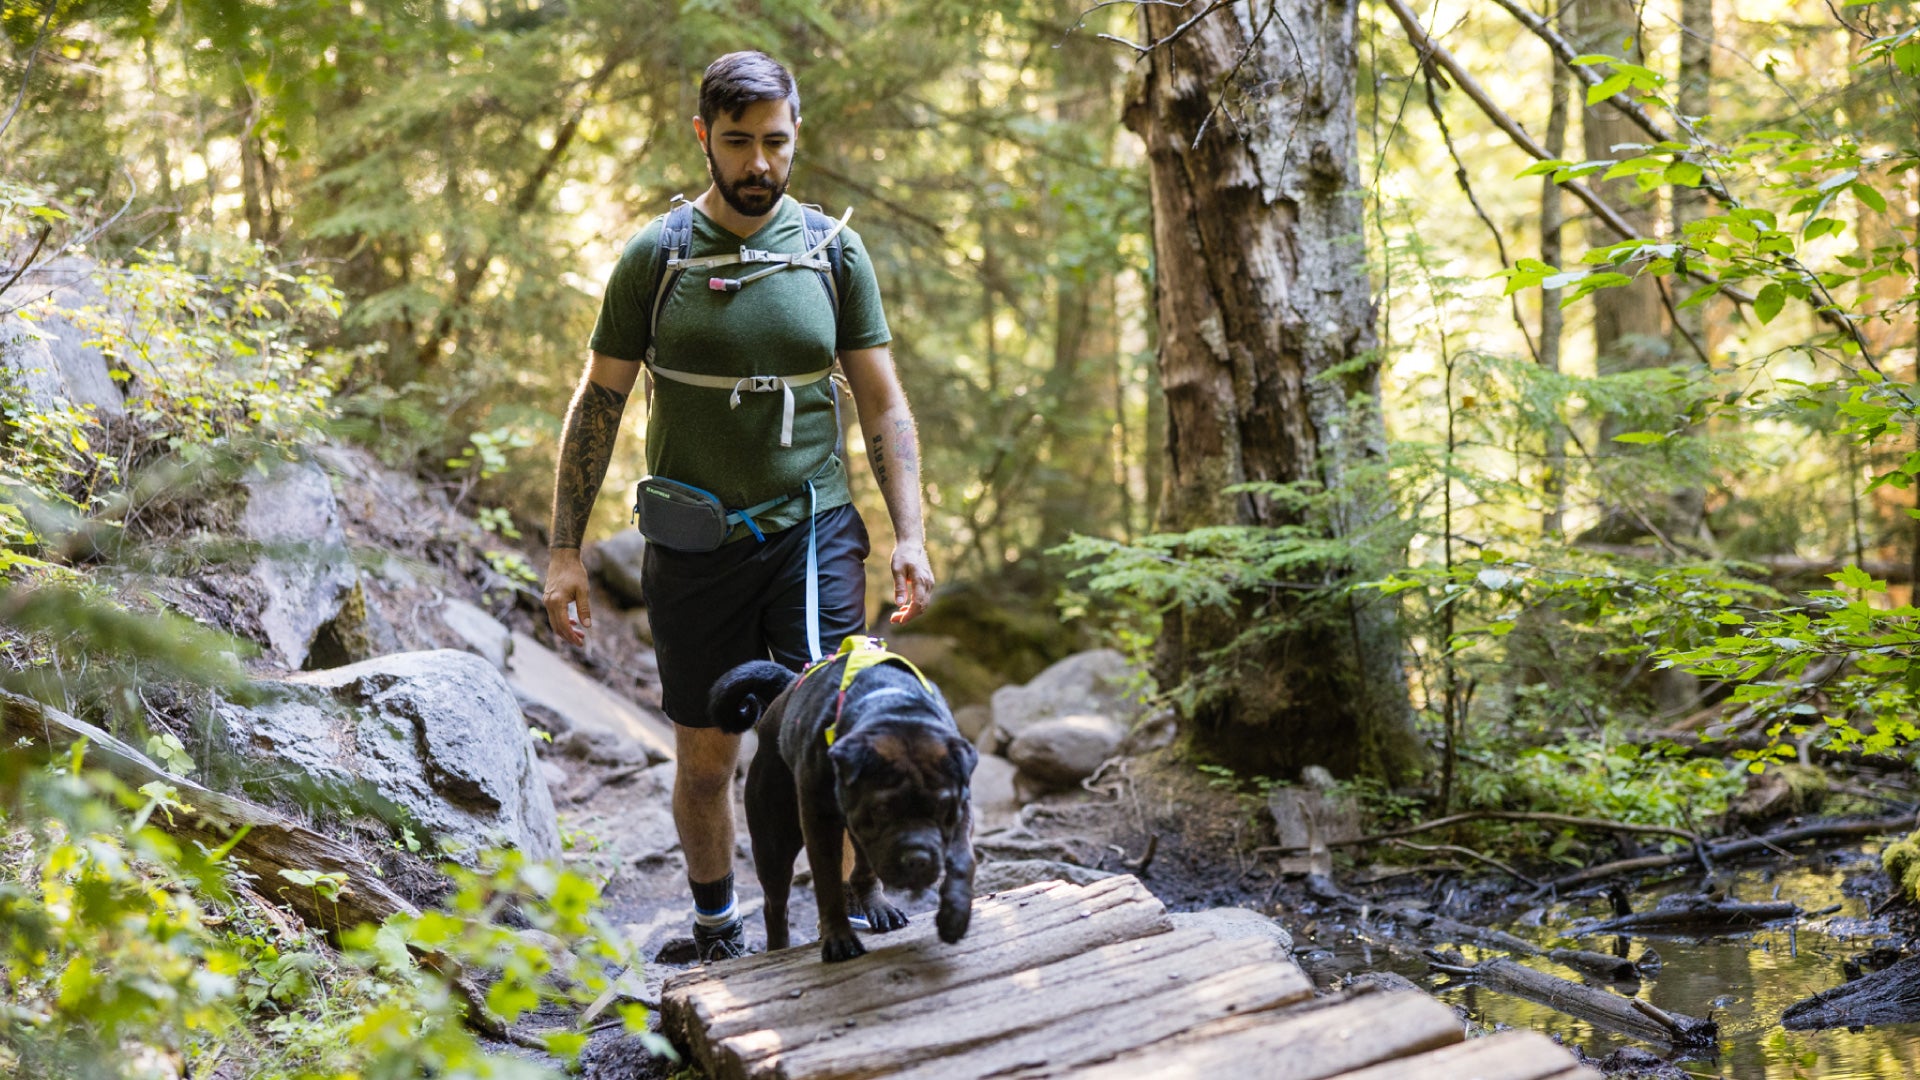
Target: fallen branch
[1696,914]
[1456,849]
[1830,830]
[263,842]
[1629,1016]
[1498,815]
[271,842]
[1441,928]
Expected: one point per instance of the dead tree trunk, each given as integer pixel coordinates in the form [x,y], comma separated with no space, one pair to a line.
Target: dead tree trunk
[1268,364]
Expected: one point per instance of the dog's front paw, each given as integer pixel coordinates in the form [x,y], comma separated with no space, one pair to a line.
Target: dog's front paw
[841,946]
[883,918]
[952,921]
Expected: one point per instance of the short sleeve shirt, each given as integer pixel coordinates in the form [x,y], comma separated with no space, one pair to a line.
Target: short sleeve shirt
[782,324]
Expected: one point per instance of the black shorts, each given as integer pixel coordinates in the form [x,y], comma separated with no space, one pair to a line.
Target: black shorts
[713,610]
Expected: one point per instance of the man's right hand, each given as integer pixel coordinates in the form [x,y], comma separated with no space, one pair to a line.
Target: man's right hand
[567,583]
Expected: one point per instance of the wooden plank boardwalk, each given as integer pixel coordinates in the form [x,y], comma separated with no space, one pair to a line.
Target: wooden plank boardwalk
[1067,980]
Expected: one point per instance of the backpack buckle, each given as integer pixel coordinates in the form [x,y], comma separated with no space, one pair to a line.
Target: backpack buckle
[755,255]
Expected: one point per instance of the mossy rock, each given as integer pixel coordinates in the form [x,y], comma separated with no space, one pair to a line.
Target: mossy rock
[1902,863]
[1007,625]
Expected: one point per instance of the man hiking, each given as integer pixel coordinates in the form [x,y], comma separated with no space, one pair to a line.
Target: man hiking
[738,304]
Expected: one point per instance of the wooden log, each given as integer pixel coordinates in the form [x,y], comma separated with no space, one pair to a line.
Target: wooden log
[1510,1055]
[1313,1045]
[1008,934]
[891,1036]
[272,842]
[1697,915]
[1440,927]
[1599,965]
[1629,1016]
[1888,996]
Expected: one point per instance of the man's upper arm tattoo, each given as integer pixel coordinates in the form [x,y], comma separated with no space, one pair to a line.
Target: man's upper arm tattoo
[586,449]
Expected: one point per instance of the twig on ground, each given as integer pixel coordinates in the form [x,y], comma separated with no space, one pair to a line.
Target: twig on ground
[1499,815]
[1469,853]
[1139,866]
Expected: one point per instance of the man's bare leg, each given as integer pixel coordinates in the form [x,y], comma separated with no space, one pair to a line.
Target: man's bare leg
[703,816]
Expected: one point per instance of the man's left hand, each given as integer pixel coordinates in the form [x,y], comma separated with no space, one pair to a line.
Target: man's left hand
[912,582]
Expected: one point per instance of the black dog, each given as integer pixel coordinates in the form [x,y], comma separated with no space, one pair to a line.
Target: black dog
[895,775]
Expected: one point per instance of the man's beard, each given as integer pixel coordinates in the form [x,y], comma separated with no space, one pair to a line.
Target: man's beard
[749,198]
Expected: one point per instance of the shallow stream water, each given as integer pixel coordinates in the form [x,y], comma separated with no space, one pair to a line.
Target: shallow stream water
[1743,981]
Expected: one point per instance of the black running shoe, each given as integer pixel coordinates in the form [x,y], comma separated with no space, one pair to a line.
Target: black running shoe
[727,941]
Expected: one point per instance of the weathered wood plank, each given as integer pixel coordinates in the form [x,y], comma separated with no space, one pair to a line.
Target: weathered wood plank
[1060,1048]
[1041,923]
[904,1034]
[1510,1055]
[927,967]
[1315,1045]
[1039,896]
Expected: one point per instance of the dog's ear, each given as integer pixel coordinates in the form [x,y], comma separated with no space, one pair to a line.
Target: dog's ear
[960,750]
[850,756]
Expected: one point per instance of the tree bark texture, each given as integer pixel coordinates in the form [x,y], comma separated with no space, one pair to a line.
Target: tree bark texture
[1553,219]
[1268,364]
[1630,331]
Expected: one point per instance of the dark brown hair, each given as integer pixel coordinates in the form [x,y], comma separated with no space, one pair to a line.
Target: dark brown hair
[740,79]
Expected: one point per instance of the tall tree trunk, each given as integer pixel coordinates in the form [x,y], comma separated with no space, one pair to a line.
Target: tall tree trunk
[1629,323]
[1266,340]
[1077,430]
[1695,99]
[1553,218]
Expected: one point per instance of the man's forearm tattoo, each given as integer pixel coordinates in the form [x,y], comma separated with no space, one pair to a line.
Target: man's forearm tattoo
[880,460]
[586,448]
[906,450]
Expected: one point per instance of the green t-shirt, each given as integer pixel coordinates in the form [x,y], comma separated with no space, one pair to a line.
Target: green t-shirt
[782,324]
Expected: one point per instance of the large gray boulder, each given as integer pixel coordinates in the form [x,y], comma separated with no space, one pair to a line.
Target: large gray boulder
[1062,752]
[544,680]
[49,355]
[995,799]
[616,561]
[305,575]
[478,632]
[433,739]
[1098,682]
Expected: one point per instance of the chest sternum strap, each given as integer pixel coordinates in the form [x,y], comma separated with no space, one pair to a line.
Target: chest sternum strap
[751,384]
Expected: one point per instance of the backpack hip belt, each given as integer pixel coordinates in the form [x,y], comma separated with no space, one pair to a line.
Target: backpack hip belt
[751,384]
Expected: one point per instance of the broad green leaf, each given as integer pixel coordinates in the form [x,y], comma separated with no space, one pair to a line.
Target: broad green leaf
[1769,302]
[1640,438]
[1873,199]
[1685,174]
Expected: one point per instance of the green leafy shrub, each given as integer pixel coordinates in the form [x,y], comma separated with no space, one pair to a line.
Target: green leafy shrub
[124,953]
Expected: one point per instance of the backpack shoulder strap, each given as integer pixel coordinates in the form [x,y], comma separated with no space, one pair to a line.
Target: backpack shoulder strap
[818,225]
[676,241]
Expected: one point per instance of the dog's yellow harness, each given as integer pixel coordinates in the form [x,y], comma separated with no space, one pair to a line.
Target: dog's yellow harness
[862,652]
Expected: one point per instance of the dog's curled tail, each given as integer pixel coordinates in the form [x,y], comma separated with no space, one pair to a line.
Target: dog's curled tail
[741,695]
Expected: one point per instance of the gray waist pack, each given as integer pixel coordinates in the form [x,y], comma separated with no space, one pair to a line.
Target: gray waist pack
[682,517]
